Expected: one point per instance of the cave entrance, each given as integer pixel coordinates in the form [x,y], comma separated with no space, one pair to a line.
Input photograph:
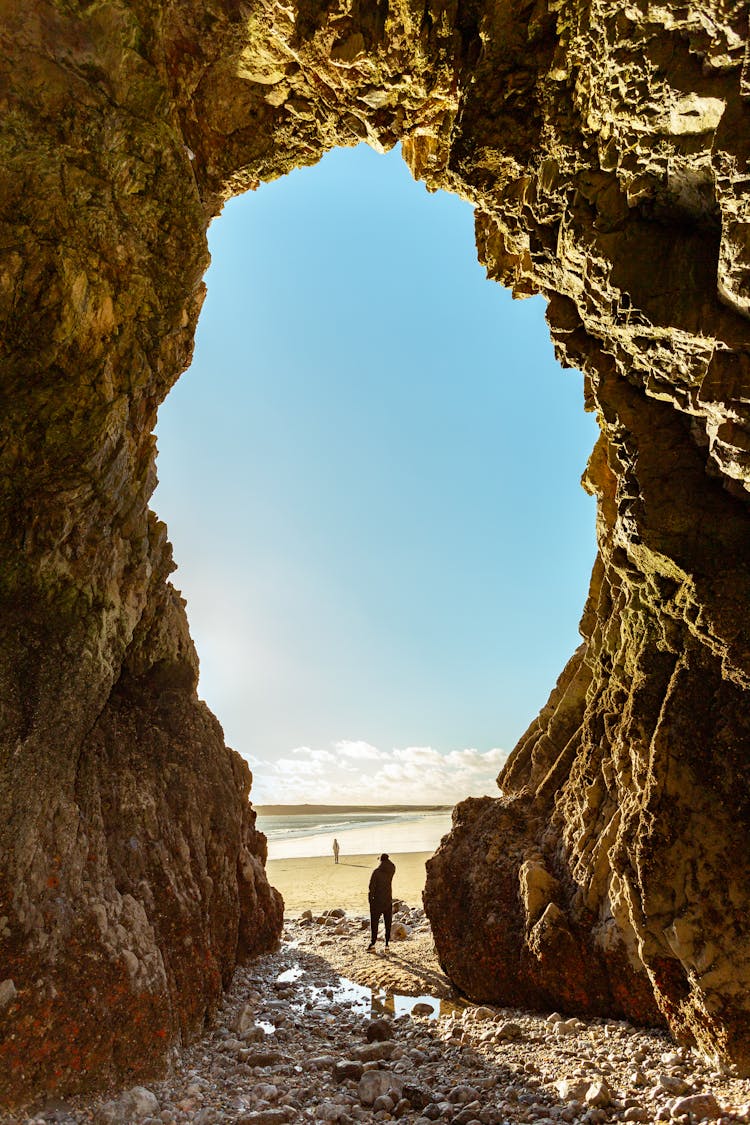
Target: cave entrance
[390,458]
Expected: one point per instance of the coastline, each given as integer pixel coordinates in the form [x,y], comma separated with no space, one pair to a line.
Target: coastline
[400,833]
[307,810]
[317,883]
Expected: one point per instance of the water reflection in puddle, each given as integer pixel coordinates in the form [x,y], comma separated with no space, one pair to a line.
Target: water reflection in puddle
[290,975]
[395,1005]
[355,996]
[366,1002]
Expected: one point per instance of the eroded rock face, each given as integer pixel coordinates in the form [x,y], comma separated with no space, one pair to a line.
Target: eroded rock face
[604,147]
[131,876]
[611,875]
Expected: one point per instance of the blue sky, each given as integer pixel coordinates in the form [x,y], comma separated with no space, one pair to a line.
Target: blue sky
[370,476]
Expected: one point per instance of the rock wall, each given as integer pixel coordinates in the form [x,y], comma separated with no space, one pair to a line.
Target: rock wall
[131,874]
[604,147]
[612,874]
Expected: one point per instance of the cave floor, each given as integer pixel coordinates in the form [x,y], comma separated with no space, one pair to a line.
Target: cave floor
[290,1044]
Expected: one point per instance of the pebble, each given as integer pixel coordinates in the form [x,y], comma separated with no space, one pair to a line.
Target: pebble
[697,1107]
[133,1105]
[265,1117]
[598,1094]
[374,1083]
[377,1029]
[7,992]
[306,1050]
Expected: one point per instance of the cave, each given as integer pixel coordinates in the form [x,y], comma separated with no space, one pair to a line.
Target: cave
[602,147]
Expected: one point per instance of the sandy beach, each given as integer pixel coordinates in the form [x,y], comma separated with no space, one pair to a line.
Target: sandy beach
[317,883]
[397,832]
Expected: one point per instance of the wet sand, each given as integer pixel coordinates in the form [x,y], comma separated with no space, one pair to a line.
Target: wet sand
[317,883]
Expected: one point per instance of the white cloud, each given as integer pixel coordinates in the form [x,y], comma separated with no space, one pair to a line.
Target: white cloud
[360,750]
[314,755]
[356,772]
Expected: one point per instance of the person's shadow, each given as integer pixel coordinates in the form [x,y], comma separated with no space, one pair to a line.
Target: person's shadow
[438,981]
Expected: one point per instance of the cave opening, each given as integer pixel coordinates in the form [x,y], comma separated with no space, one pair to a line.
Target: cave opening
[389,455]
[611,876]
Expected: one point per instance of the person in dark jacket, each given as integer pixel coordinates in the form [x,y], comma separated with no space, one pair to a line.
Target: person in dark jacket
[381,900]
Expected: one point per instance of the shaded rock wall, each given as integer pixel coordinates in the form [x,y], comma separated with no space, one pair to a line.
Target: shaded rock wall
[131,875]
[604,147]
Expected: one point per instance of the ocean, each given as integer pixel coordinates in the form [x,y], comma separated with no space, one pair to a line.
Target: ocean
[358,832]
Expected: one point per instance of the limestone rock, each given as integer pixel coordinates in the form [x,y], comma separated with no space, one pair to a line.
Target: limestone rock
[375,1083]
[598,1094]
[697,1107]
[7,992]
[345,1069]
[132,1105]
[378,1030]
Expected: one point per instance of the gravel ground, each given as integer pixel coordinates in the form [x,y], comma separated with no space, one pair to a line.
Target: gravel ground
[295,1042]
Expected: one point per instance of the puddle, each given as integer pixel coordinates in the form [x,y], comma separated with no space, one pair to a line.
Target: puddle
[364,1001]
[355,996]
[290,975]
[395,1005]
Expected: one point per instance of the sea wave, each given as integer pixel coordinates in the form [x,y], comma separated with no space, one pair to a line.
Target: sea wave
[297,826]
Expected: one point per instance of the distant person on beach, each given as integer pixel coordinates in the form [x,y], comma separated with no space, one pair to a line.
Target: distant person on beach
[335,851]
[381,900]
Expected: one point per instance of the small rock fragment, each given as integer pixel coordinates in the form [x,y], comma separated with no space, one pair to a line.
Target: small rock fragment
[264,1117]
[8,992]
[132,1105]
[598,1095]
[671,1084]
[571,1089]
[372,1051]
[463,1094]
[346,1069]
[636,1113]
[700,1107]
[378,1030]
[374,1083]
